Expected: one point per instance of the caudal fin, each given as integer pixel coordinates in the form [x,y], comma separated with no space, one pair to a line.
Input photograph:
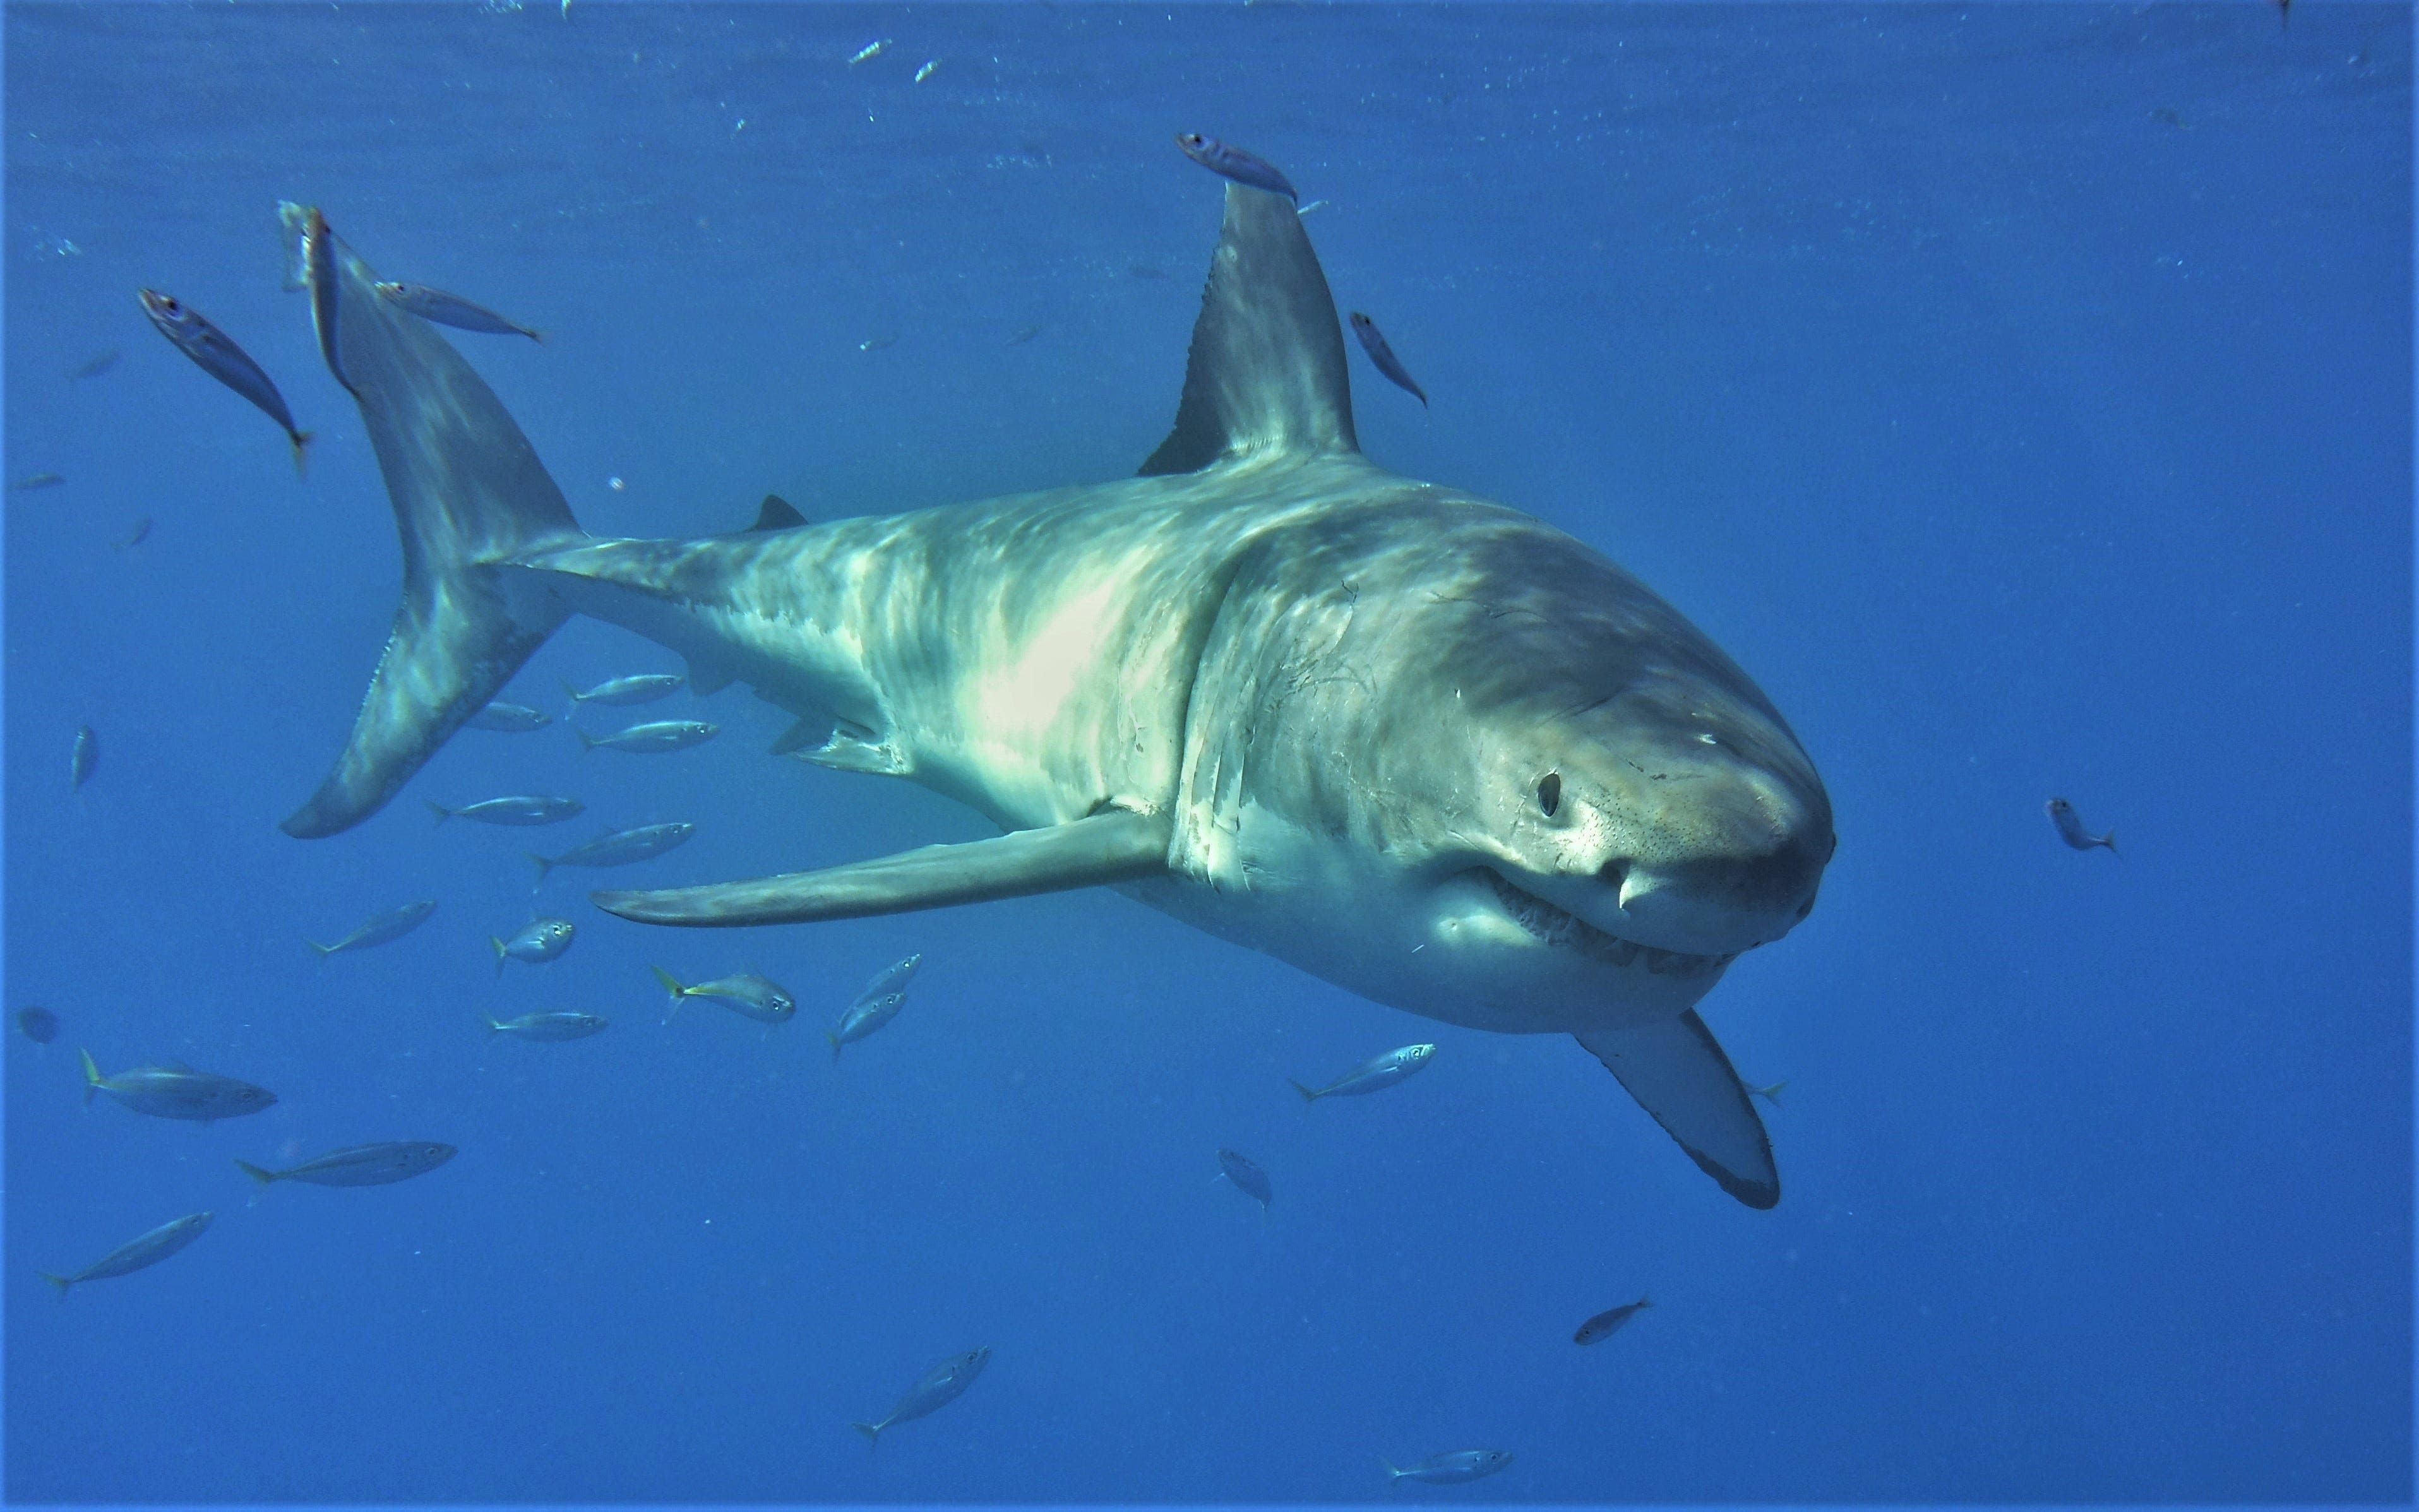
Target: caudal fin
[442,812]
[872,1432]
[470,497]
[672,985]
[62,1282]
[544,864]
[263,1178]
[1307,1095]
[299,440]
[497,942]
[91,1078]
[835,1040]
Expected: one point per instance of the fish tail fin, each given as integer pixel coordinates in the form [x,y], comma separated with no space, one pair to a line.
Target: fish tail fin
[586,744]
[534,334]
[544,866]
[872,1432]
[442,812]
[471,501]
[300,440]
[325,950]
[1307,1095]
[1392,1474]
[494,1024]
[497,942]
[2109,839]
[91,1078]
[835,1043]
[62,1282]
[671,984]
[263,1178]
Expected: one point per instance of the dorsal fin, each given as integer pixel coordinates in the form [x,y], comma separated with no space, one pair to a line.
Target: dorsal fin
[776,514]
[1265,375]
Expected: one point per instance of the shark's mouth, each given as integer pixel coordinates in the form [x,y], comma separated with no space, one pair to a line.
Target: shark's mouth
[1550,925]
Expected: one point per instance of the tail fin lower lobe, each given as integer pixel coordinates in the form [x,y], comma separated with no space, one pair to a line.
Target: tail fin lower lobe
[468,493]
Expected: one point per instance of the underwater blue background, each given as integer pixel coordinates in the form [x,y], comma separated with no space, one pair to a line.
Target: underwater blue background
[2021,393]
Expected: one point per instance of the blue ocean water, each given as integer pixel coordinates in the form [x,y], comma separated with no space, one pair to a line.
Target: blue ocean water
[2021,393]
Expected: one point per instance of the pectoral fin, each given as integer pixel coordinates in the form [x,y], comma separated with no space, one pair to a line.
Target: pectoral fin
[1116,845]
[1679,1074]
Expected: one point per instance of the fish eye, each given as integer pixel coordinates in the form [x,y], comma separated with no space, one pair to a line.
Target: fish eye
[1550,792]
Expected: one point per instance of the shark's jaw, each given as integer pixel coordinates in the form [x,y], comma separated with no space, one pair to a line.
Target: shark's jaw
[1559,929]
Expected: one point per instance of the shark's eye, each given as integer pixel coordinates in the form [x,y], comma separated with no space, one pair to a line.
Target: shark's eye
[1550,792]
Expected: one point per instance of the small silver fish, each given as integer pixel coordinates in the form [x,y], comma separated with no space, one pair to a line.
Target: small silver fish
[319,269]
[864,1016]
[942,1384]
[875,344]
[543,940]
[926,71]
[1247,1177]
[37,480]
[212,350]
[361,1165]
[391,925]
[516,718]
[436,305]
[560,1025]
[868,52]
[661,736]
[1450,1469]
[1770,1094]
[1236,164]
[176,1092]
[644,688]
[135,537]
[1385,1070]
[1024,334]
[2070,828]
[137,1255]
[85,759]
[1604,1325]
[95,367]
[757,997]
[1373,341]
[524,810]
[619,848]
[895,977]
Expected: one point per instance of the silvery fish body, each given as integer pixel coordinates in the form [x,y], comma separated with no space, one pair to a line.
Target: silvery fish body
[140,1254]
[445,309]
[527,809]
[541,941]
[863,1017]
[391,925]
[1385,1070]
[1234,162]
[361,1165]
[2070,828]
[893,977]
[176,1092]
[942,1384]
[619,848]
[622,691]
[1247,1175]
[86,759]
[1373,341]
[516,718]
[559,1025]
[1452,1468]
[661,736]
[1607,1323]
[217,354]
[754,997]
[319,273]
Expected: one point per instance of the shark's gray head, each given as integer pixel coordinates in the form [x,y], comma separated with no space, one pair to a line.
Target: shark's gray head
[1531,745]
[1608,760]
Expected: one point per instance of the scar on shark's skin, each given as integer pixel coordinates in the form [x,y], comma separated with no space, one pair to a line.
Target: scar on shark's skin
[1223,688]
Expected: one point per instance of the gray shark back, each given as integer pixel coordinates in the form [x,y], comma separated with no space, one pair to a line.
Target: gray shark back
[468,491]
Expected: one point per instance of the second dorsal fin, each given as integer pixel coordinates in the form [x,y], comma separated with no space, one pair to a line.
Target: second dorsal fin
[775,515]
[1265,375]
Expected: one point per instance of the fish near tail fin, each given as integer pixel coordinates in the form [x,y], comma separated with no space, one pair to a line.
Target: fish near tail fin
[1392,1474]
[470,498]
[544,864]
[1307,1095]
[497,942]
[62,1282]
[91,1078]
[442,812]
[2109,839]
[298,439]
[680,995]
[263,1178]
[835,1043]
[872,1432]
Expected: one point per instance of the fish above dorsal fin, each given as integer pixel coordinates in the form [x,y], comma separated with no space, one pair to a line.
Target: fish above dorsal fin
[1265,375]
[775,515]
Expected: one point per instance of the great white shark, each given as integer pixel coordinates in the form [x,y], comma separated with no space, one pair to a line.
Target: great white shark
[1422,745]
